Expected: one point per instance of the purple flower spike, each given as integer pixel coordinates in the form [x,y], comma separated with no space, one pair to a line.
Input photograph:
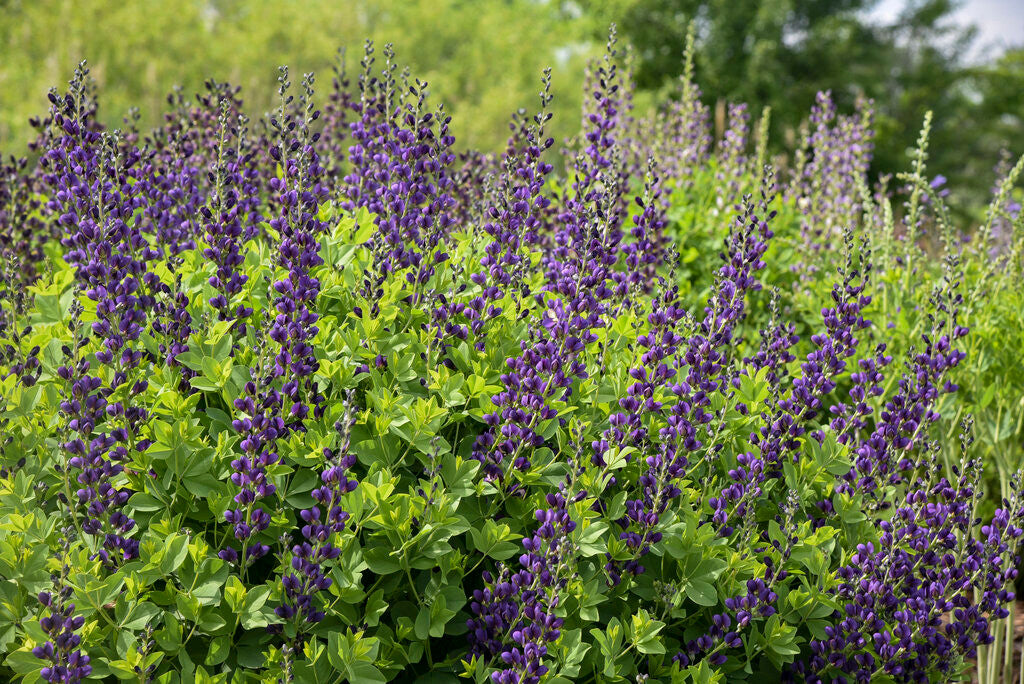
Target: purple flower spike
[320,525]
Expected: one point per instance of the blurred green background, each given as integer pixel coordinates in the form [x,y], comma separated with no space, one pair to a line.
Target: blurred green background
[483,59]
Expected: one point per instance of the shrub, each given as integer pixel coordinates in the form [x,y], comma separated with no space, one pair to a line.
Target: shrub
[314,398]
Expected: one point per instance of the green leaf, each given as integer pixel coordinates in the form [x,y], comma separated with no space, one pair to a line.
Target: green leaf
[364,672]
[494,540]
[644,633]
[376,606]
[986,398]
[702,593]
[141,615]
[145,503]
[591,540]
[256,598]
[234,593]
[123,670]
[380,560]
[220,649]
[212,574]
[175,554]
[423,623]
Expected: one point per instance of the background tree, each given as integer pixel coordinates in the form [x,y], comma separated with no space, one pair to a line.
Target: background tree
[781,52]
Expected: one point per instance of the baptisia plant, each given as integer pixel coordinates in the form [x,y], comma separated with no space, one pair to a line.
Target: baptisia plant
[319,398]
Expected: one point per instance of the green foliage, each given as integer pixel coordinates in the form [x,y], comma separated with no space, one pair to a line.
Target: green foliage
[471,54]
[424,524]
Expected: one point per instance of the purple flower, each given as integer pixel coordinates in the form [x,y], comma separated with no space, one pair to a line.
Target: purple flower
[65,661]
[513,613]
[884,455]
[93,193]
[703,355]
[320,523]
[232,215]
[400,170]
[277,399]
[682,132]
[574,302]
[340,107]
[776,341]
[831,166]
[923,596]
[732,161]
[513,219]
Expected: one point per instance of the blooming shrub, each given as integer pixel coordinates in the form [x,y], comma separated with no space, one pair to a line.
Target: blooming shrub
[313,398]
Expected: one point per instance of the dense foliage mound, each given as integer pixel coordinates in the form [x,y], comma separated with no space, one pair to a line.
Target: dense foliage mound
[315,398]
